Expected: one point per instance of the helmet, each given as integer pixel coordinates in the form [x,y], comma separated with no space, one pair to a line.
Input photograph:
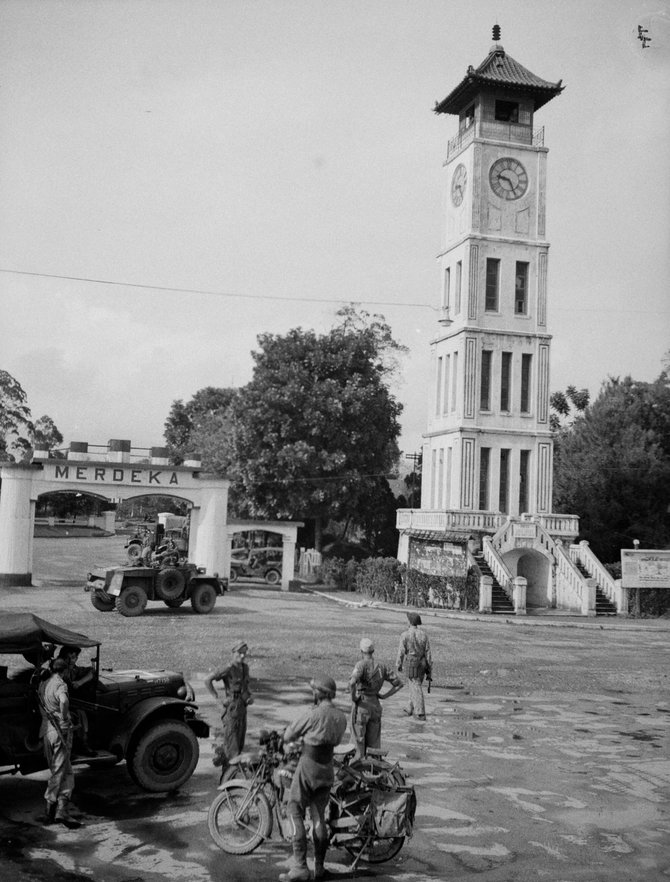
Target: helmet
[414,618]
[366,645]
[324,685]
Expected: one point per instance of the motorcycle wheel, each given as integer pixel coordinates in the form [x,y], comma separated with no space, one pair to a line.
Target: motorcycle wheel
[239,819]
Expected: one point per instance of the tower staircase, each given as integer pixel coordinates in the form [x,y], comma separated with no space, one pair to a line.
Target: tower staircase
[604,606]
[500,602]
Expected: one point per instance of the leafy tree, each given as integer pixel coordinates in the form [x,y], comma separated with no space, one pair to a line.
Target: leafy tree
[612,466]
[16,426]
[567,406]
[46,434]
[318,424]
[188,424]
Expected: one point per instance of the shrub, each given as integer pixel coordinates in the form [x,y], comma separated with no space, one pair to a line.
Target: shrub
[381,578]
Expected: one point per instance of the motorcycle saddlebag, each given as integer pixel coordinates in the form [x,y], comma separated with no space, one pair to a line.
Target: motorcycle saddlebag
[393,812]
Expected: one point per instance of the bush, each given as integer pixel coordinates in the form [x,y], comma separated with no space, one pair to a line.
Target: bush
[337,573]
[381,578]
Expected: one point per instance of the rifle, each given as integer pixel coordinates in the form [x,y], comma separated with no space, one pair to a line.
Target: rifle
[429,678]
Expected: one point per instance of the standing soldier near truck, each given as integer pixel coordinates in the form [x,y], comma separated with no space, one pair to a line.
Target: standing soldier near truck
[235,679]
[415,647]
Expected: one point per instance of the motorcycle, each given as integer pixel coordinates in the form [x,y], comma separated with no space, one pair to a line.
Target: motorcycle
[370,812]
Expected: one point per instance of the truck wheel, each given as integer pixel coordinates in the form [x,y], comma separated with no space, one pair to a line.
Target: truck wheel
[101,600]
[164,757]
[273,577]
[134,552]
[170,583]
[131,601]
[203,598]
[234,575]
[174,604]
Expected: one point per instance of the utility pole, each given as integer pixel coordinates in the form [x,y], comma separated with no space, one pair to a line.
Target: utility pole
[416,458]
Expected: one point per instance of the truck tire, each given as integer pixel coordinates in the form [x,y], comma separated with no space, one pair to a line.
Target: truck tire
[203,598]
[101,600]
[174,604]
[164,756]
[234,575]
[131,601]
[134,552]
[170,583]
[273,577]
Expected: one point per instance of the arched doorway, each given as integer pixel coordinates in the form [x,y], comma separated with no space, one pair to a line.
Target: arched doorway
[535,567]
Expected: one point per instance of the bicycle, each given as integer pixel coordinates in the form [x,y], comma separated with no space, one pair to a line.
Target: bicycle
[370,812]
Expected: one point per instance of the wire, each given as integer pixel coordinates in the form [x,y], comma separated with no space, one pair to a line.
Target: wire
[213,293]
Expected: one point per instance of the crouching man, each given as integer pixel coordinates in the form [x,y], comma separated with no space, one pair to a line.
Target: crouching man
[321,729]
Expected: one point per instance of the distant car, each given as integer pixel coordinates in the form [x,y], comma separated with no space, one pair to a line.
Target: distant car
[257,563]
[147,718]
[129,588]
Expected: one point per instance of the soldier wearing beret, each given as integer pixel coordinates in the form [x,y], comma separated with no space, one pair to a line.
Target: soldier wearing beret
[236,697]
[415,649]
[367,679]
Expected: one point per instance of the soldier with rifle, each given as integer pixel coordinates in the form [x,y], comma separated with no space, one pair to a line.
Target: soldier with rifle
[415,648]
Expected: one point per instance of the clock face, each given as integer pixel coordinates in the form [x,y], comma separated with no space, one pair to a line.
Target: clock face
[508,178]
[458,183]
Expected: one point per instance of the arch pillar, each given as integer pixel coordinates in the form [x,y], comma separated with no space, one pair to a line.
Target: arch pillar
[287,561]
[17,513]
[210,550]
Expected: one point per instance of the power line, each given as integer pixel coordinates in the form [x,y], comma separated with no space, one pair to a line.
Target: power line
[213,293]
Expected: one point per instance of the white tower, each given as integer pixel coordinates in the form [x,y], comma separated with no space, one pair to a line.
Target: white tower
[488,445]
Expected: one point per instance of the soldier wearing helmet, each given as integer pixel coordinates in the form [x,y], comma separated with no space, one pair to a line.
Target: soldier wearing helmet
[415,649]
[365,685]
[321,728]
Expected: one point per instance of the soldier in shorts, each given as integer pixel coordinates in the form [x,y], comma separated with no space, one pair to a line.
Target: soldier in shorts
[365,685]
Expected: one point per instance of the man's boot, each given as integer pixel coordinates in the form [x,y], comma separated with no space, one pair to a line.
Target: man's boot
[64,817]
[299,872]
[49,813]
[320,872]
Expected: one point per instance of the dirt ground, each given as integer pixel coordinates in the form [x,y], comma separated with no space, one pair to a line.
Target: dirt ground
[545,754]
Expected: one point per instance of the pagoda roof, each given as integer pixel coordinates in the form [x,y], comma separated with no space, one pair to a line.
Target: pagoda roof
[498,70]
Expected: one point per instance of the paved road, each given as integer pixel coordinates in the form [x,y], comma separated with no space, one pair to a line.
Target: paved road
[545,755]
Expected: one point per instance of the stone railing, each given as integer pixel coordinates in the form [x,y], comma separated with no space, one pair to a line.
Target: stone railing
[610,586]
[573,591]
[565,526]
[443,521]
[497,566]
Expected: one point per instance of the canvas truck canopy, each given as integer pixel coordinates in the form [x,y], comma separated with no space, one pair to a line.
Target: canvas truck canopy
[25,632]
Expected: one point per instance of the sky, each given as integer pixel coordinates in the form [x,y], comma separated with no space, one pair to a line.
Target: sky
[180,176]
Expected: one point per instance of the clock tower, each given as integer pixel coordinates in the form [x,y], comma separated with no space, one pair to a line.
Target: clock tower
[488,445]
[486,491]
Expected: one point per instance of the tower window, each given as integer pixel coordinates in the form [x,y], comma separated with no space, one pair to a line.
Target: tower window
[438,387]
[507,111]
[503,491]
[492,284]
[485,391]
[505,378]
[524,460]
[467,118]
[445,289]
[521,289]
[454,381]
[457,293]
[484,463]
[526,361]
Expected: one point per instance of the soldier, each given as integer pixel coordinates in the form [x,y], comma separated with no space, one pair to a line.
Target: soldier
[365,685]
[235,678]
[321,729]
[415,647]
[57,733]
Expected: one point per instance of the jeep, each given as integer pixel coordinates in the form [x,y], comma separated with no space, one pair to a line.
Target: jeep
[128,588]
[147,718]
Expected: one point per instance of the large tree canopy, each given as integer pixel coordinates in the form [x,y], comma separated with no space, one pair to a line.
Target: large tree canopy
[317,426]
[612,467]
[18,433]
[189,427]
